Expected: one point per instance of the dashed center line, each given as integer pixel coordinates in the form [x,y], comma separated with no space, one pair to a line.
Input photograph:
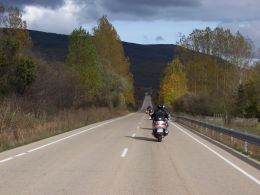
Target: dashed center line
[133,135]
[124,153]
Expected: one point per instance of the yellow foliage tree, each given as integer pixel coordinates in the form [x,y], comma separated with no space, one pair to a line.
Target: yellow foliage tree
[173,83]
[112,57]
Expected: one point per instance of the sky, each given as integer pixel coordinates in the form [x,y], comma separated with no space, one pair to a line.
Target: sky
[143,21]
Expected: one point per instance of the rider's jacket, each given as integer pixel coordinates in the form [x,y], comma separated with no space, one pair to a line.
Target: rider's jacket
[160,113]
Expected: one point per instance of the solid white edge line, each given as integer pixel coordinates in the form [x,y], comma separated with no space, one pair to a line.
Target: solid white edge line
[81,132]
[124,152]
[220,156]
[21,154]
[133,135]
[7,159]
[62,139]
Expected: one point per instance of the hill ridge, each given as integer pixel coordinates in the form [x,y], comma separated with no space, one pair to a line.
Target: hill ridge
[147,60]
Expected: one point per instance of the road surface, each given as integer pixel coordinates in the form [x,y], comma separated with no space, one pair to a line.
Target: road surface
[120,156]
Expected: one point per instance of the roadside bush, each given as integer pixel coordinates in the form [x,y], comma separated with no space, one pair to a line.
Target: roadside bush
[55,88]
[193,104]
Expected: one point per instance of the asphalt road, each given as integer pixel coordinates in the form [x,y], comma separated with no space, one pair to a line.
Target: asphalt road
[120,156]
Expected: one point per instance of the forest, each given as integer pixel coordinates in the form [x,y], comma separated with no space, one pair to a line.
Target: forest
[212,75]
[40,99]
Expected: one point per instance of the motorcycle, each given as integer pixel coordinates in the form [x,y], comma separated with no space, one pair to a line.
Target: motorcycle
[149,111]
[160,128]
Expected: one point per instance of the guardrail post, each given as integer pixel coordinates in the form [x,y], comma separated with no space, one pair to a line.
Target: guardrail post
[221,136]
[246,147]
[238,140]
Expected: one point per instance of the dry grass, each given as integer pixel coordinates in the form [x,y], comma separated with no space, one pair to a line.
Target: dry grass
[18,128]
[250,126]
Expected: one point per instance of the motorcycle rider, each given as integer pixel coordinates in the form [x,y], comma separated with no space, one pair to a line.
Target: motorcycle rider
[161,112]
[149,110]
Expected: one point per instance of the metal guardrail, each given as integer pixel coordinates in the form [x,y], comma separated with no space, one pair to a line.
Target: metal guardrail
[250,143]
[240,135]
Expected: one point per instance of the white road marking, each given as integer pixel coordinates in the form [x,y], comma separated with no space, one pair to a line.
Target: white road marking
[62,139]
[220,156]
[21,154]
[133,135]
[138,127]
[7,159]
[124,152]
[81,132]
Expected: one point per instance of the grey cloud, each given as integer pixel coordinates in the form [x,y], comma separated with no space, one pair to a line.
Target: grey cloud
[221,11]
[144,8]
[21,3]
[109,4]
[124,9]
[159,38]
[201,10]
[249,29]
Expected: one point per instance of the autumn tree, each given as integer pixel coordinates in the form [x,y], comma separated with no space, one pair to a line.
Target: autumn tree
[116,65]
[173,83]
[222,43]
[216,62]
[17,69]
[248,99]
[82,58]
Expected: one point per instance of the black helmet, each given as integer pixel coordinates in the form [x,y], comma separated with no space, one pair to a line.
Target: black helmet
[160,106]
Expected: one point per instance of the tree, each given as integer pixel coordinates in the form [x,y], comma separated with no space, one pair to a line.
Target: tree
[220,72]
[234,48]
[173,83]
[111,53]
[248,100]
[82,58]
[25,73]
[15,47]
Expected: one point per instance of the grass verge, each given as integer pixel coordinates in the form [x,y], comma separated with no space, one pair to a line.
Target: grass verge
[18,128]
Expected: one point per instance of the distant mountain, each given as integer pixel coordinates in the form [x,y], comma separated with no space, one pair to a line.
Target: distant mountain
[147,61]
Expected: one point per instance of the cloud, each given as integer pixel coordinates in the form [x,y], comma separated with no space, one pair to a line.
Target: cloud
[143,8]
[159,38]
[249,29]
[200,10]
[22,3]
[60,20]
[61,16]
